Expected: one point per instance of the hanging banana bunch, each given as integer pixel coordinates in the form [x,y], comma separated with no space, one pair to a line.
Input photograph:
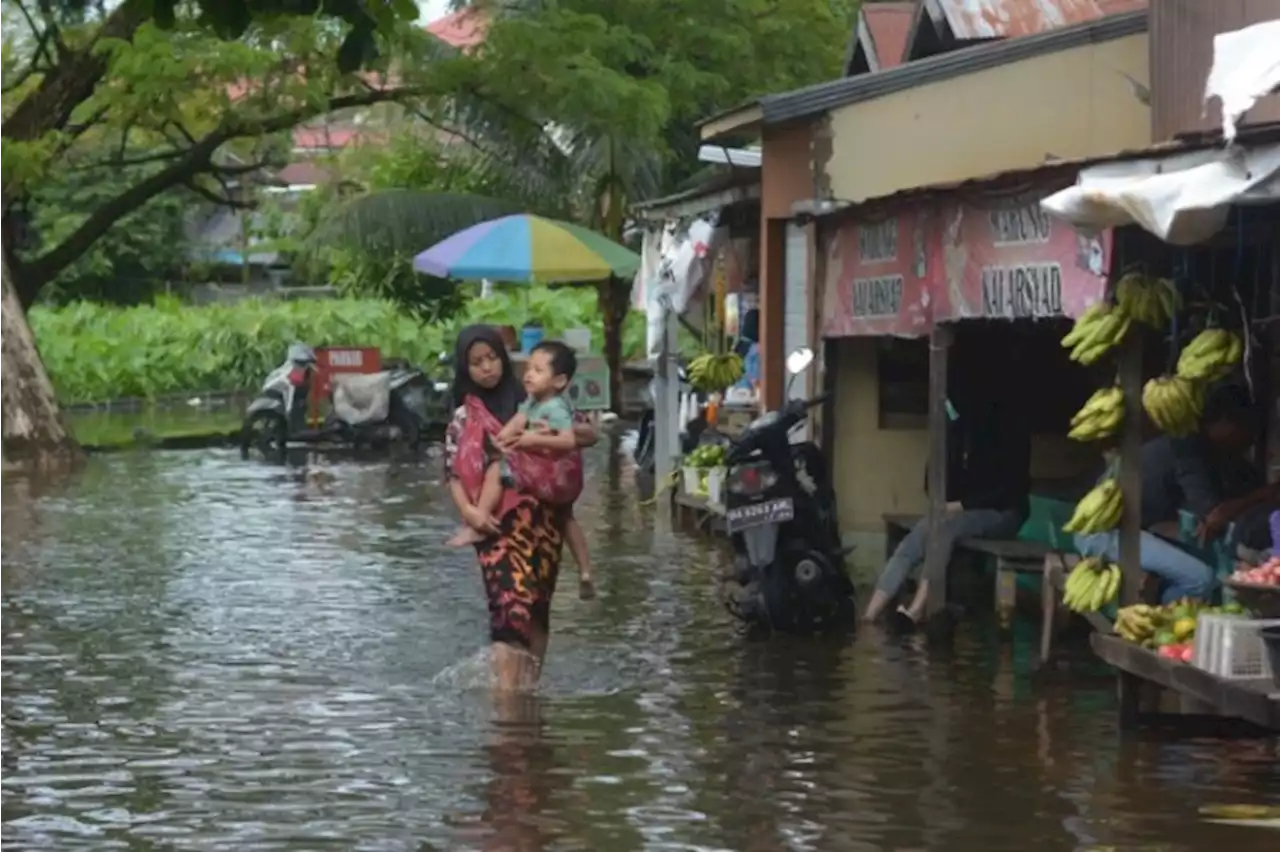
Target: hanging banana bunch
[1096,332]
[1150,301]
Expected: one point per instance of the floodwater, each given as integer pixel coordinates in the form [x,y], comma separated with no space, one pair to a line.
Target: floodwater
[205,654]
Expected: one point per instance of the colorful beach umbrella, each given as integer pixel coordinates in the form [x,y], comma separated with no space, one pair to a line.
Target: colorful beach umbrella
[527,248]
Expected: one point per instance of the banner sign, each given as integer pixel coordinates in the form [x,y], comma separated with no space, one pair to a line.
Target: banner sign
[1014,261]
[876,278]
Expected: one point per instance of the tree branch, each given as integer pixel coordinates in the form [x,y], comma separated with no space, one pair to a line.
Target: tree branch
[50,106]
[196,160]
[221,200]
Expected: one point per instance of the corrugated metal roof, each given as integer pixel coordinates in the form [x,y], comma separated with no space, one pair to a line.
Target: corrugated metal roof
[814,100]
[740,184]
[982,19]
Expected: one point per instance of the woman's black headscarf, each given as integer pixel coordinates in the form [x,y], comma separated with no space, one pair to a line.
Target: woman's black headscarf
[502,400]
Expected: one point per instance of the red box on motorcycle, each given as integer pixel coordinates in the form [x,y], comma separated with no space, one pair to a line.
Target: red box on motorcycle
[342,359]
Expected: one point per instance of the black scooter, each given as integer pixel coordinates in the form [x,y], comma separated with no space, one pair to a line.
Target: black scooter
[788,573]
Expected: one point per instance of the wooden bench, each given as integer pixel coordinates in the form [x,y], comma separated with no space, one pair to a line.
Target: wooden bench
[1012,557]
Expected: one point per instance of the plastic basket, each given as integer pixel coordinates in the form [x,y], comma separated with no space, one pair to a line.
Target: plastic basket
[715,485]
[1231,646]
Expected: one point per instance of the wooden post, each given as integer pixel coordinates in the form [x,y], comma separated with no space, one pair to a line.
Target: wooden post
[666,404]
[1131,467]
[935,565]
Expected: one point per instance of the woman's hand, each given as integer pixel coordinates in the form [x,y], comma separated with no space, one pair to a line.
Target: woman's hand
[480,521]
[585,434]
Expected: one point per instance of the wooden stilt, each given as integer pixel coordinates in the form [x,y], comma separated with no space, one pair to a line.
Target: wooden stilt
[935,566]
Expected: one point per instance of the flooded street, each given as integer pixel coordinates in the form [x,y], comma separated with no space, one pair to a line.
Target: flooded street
[201,653]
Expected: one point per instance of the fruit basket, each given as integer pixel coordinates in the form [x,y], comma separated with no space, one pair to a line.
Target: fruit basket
[1262,600]
[1258,589]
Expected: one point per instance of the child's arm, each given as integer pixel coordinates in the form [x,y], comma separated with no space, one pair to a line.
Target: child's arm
[553,441]
[557,436]
[514,427]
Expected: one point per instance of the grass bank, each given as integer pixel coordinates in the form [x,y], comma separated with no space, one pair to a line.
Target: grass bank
[96,353]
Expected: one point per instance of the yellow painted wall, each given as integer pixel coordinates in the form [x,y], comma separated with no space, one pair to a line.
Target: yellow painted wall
[877,471]
[1073,103]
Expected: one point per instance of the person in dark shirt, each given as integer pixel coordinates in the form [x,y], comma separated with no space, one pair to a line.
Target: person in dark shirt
[988,487]
[1184,474]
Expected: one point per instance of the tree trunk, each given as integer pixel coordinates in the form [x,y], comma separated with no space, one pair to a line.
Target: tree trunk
[613,297]
[35,434]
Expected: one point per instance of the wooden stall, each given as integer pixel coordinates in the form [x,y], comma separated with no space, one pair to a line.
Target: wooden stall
[919,295]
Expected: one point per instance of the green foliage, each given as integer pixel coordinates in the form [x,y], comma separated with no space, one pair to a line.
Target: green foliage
[137,254]
[231,18]
[96,353]
[366,246]
[196,96]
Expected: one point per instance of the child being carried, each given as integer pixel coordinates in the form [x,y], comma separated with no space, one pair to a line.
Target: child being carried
[544,423]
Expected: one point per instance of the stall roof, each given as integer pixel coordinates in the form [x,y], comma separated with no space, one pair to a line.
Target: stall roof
[817,99]
[716,192]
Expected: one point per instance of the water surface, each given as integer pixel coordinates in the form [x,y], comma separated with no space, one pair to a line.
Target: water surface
[201,653]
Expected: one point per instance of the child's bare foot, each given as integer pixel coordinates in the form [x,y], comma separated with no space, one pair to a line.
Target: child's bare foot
[463,537]
[586,587]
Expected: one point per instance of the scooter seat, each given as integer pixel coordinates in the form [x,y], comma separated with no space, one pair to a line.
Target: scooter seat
[362,398]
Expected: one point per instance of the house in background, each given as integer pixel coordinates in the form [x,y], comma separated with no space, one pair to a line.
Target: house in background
[225,237]
[880,35]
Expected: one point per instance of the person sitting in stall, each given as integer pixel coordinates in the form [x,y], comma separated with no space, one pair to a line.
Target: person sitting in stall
[1184,474]
[988,491]
[1248,499]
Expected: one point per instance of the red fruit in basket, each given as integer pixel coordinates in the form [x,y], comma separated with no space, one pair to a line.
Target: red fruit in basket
[1188,652]
[1169,652]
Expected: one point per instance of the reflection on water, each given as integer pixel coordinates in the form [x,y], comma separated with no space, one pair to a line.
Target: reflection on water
[201,653]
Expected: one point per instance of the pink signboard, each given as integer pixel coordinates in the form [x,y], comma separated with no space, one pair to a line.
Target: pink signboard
[1014,261]
[876,278]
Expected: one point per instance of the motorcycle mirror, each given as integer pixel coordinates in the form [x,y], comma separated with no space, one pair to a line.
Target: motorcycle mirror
[799,359]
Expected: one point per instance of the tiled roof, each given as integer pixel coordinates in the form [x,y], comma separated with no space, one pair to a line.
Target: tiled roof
[889,25]
[462,29]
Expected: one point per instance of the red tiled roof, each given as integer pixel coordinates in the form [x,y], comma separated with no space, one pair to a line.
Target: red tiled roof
[462,29]
[889,25]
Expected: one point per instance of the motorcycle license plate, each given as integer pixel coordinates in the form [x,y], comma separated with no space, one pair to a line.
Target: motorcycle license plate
[776,511]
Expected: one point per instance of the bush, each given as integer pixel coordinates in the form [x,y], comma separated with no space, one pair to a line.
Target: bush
[96,353]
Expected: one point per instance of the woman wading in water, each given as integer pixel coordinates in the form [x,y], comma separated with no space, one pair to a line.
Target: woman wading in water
[522,541]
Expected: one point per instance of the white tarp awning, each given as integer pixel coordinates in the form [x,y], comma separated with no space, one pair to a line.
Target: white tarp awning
[1183,199]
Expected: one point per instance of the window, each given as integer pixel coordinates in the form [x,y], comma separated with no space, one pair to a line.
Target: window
[902,372]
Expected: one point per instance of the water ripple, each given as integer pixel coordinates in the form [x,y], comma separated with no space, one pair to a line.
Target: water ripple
[204,654]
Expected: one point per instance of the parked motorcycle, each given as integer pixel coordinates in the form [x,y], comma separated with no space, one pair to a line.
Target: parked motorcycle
[645,452]
[788,573]
[366,408]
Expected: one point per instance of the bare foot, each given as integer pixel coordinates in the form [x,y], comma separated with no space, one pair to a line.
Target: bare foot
[463,537]
[586,588]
